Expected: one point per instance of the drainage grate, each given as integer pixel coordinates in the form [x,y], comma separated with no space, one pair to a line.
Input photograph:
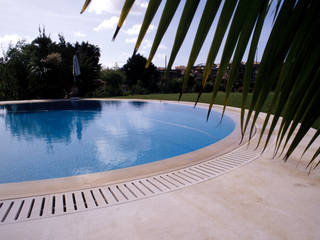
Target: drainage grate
[24,209]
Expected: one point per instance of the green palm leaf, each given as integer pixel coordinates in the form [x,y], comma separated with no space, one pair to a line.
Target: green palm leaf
[293,65]
[302,109]
[277,49]
[315,136]
[183,27]
[289,68]
[207,18]
[250,62]
[248,26]
[151,11]
[124,13]
[167,15]
[317,153]
[308,120]
[238,22]
[303,89]
[216,42]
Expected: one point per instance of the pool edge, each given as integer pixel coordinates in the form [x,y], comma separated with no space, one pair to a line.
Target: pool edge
[58,185]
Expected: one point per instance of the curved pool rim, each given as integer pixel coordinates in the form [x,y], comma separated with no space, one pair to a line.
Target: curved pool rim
[72,183]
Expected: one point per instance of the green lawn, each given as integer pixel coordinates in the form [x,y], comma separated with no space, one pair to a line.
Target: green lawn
[234,99]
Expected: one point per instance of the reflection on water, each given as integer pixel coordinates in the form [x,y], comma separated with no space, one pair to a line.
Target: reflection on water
[28,120]
[138,104]
[60,139]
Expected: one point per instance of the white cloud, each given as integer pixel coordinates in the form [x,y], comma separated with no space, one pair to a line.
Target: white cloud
[107,24]
[80,34]
[138,121]
[144,4]
[109,6]
[125,55]
[131,40]
[10,38]
[115,6]
[134,30]
[146,44]
[162,46]
[160,57]
[111,151]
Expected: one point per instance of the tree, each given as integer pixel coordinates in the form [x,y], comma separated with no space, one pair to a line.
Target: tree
[43,68]
[290,60]
[14,72]
[114,80]
[67,51]
[89,56]
[137,76]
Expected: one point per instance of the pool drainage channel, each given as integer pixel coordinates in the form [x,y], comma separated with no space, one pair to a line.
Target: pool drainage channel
[31,208]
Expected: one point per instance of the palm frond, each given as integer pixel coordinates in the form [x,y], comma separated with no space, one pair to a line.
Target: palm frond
[223,23]
[167,15]
[85,5]
[207,18]
[238,23]
[250,62]
[289,67]
[149,15]
[124,13]
[315,136]
[186,18]
[252,15]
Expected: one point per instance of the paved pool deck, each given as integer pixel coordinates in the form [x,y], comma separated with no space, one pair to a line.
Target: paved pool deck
[265,199]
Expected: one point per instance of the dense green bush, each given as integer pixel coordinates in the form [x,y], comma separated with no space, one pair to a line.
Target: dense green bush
[113,82]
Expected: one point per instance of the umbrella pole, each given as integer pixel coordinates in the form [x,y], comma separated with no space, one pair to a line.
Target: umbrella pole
[74,89]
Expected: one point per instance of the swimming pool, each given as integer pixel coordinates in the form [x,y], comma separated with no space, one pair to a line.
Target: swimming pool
[60,139]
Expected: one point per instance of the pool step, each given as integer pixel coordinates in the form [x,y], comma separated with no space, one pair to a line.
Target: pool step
[31,208]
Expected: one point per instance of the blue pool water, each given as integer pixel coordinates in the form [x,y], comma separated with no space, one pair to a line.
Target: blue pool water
[60,139]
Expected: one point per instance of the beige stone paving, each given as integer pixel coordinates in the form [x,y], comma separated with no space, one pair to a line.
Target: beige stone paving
[265,199]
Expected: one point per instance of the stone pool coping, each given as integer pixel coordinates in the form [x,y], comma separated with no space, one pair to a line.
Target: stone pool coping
[58,185]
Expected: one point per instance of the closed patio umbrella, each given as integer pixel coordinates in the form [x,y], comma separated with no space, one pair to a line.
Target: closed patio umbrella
[76,66]
[76,73]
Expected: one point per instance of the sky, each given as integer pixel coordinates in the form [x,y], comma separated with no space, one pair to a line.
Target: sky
[21,19]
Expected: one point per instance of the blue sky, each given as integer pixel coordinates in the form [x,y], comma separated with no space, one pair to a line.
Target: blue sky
[20,19]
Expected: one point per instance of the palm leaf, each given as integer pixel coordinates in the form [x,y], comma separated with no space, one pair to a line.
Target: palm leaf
[85,5]
[251,18]
[302,109]
[304,90]
[277,49]
[149,15]
[289,67]
[238,21]
[315,136]
[316,154]
[310,116]
[207,18]
[288,77]
[269,51]
[249,65]
[124,13]
[223,23]
[276,10]
[183,27]
[167,15]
